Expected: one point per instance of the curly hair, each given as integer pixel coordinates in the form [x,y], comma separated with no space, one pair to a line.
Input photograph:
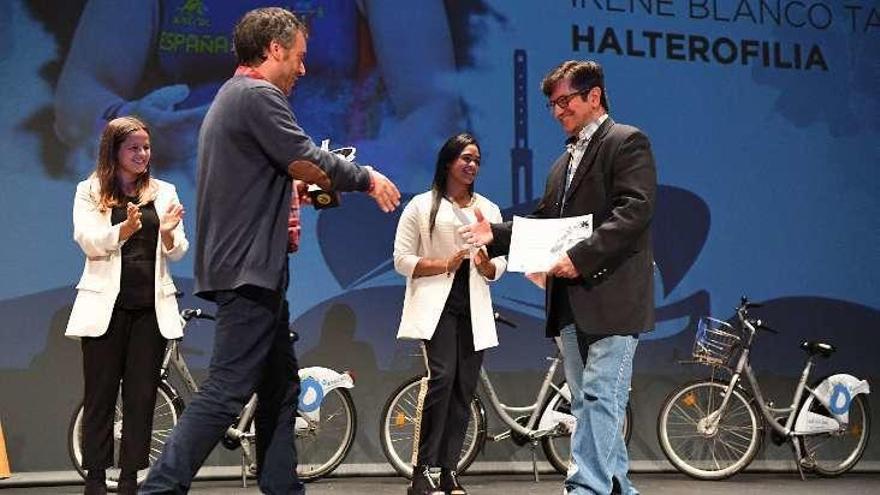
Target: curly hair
[259,27]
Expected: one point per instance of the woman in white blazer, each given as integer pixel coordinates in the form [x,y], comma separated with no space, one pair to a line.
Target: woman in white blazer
[129,226]
[447,306]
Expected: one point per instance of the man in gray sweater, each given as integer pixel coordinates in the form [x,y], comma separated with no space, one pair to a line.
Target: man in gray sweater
[250,147]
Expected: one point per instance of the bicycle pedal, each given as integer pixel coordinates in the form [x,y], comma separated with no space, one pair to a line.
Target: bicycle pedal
[230,443]
[807,463]
[499,437]
[518,438]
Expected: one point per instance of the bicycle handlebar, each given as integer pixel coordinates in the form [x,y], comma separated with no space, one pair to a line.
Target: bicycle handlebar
[761,326]
[197,313]
[752,324]
[745,304]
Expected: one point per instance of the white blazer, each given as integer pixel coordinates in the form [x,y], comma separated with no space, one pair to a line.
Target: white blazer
[426,296]
[99,284]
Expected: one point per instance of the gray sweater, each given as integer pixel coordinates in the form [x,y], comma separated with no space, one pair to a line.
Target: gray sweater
[250,146]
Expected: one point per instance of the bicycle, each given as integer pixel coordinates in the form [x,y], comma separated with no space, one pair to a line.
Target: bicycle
[711,429]
[548,420]
[325,426]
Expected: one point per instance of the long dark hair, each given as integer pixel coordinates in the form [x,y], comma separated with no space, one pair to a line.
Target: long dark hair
[107,167]
[448,153]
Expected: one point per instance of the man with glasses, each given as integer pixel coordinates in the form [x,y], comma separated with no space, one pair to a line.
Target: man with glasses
[600,294]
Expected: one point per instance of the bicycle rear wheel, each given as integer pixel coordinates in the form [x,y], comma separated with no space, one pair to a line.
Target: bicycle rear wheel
[398,424]
[557,448]
[322,445]
[832,454]
[695,445]
[166,413]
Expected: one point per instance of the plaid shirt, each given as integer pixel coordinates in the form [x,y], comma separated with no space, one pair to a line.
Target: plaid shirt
[293,224]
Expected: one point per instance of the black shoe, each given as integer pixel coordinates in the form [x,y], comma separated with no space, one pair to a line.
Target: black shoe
[95,482]
[127,485]
[423,483]
[95,487]
[449,483]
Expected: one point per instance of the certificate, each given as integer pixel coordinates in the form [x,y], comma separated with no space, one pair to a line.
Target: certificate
[537,243]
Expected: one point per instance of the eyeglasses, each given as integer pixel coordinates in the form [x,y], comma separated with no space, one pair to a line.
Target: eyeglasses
[563,101]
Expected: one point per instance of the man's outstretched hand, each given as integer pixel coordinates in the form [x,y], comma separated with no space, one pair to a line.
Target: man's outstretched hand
[384,192]
[479,233]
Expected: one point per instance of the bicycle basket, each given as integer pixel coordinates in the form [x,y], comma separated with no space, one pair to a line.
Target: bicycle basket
[716,342]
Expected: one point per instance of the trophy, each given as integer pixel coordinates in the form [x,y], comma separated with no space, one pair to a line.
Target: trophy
[328,199]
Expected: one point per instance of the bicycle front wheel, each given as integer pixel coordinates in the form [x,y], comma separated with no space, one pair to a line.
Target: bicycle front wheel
[557,447]
[165,415]
[323,443]
[832,454]
[398,424]
[702,442]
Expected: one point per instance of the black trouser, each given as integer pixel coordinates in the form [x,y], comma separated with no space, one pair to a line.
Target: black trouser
[453,369]
[252,352]
[131,350]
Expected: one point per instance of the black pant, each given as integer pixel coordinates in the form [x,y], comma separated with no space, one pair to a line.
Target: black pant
[252,352]
[131,350]
[453,369]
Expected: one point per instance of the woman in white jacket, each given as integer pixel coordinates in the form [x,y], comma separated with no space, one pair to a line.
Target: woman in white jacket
[447,306]
[129,226]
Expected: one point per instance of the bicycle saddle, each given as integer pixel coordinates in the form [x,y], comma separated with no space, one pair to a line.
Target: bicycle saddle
[813,348]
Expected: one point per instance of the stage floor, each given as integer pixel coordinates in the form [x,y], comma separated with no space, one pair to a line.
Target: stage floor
[649,484]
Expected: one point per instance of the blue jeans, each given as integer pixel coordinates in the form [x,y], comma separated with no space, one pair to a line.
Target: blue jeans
[252,352]
[599,388]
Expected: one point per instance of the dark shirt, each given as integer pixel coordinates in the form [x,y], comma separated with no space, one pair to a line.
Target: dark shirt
[459,300]
[246,142]
[137,285]
[559,293]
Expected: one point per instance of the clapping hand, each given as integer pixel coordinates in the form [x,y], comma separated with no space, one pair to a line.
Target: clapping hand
[483,264]
[132,221]
[171,218]
[454,261]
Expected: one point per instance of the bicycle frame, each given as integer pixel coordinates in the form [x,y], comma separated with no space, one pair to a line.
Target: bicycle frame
[533,409]
[317,383]
[770,414]
[237,432]
[173,358]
